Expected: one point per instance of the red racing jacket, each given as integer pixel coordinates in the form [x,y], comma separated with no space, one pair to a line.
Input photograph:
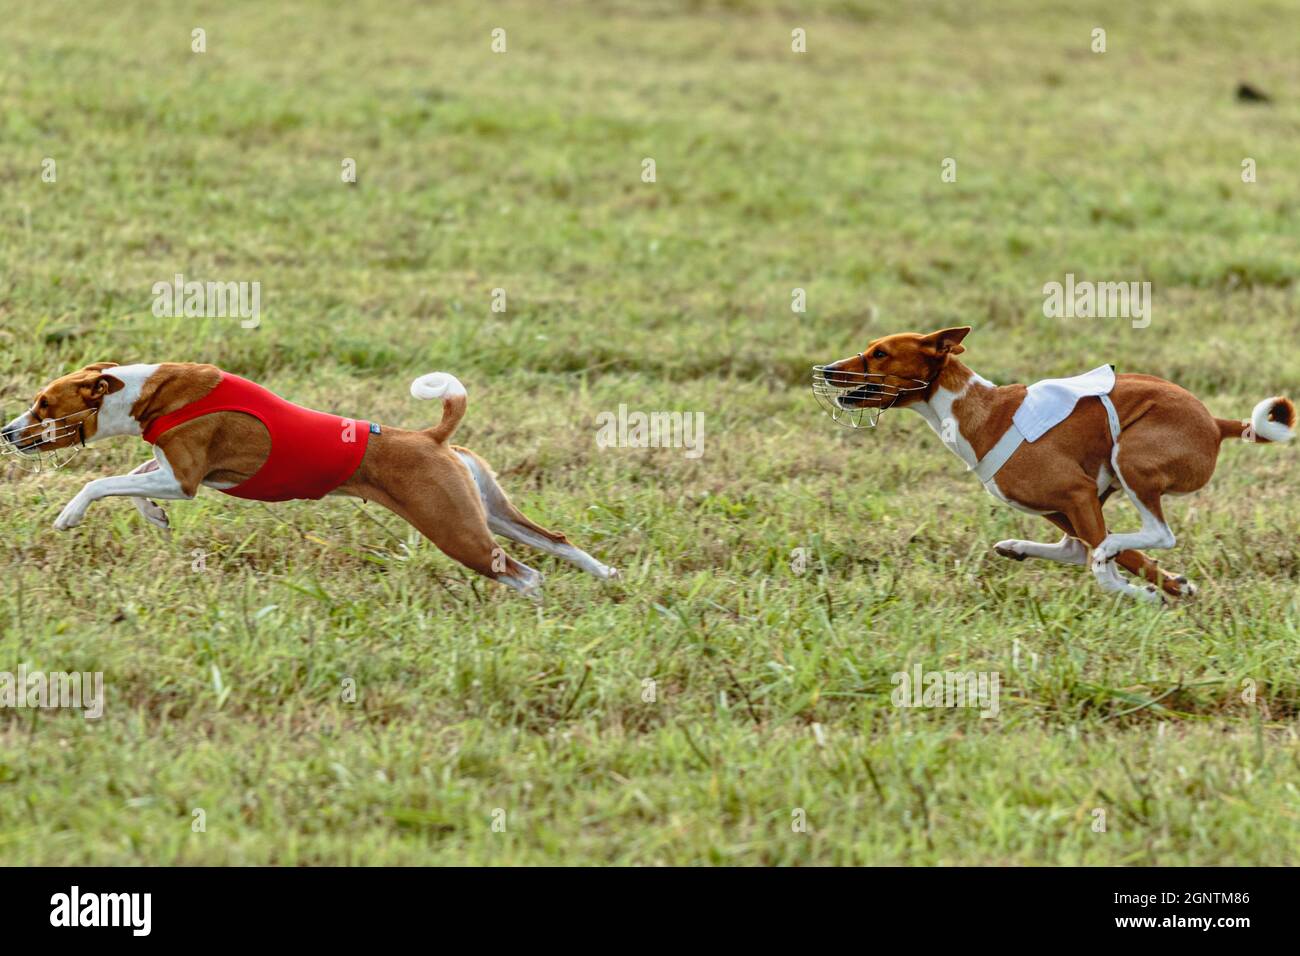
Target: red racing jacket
[312,453]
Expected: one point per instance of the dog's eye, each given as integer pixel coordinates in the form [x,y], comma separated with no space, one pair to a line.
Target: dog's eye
[879,353]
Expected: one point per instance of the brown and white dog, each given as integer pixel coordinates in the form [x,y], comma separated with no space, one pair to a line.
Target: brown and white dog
[1168,445]
[447,492]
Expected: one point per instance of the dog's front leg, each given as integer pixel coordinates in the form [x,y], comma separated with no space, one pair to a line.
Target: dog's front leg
[1066,551]
[158,482]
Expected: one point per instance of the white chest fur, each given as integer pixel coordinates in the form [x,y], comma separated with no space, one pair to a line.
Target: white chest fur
[114,416]
[939,415]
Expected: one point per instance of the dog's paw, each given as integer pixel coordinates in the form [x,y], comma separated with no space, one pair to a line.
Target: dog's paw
[528,583]
[152,512]
[1008,550]
[1185,588]
[1153,595]
[70,516]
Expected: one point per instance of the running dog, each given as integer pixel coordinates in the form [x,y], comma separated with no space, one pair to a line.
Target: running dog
[211,428]
[1058,448]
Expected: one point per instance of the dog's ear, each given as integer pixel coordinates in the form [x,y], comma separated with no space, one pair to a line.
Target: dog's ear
[95,385]
[947,341]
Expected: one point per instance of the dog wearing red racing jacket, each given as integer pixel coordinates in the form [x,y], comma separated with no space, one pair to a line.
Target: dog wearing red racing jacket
[211,428]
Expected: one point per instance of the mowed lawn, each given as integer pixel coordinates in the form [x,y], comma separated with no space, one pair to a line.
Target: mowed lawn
[488,730]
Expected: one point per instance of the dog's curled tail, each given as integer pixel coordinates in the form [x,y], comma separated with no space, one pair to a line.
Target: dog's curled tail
[1273,420]
[454,399]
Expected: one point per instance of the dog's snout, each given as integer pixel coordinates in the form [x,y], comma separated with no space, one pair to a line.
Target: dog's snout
[12,431]
[833,376]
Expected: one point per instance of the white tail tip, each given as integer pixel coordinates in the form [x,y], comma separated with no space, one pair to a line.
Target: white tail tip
[437,385]
[1266,427]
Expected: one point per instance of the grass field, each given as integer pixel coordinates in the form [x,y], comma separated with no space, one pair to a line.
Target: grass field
[522,171]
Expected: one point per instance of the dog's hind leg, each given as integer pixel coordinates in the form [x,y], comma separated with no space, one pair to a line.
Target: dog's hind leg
[508,521]
[1148,569]
[1147,465]
[1085,517]
[150,510]
[448,512]
[1135,562]
[475,548]
[1070,550]
[1154,533]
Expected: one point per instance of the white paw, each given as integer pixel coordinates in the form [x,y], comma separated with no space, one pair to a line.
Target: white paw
[152,513]
[611,574]
[70,516]
[1151,595]
[1109,547]
[529,584]
[1010,549]
[1185,587]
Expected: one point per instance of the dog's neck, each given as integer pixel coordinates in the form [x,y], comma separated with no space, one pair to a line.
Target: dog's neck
[967,411]
[114,416]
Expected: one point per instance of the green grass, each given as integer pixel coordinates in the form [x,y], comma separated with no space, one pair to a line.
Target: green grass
[775,171]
